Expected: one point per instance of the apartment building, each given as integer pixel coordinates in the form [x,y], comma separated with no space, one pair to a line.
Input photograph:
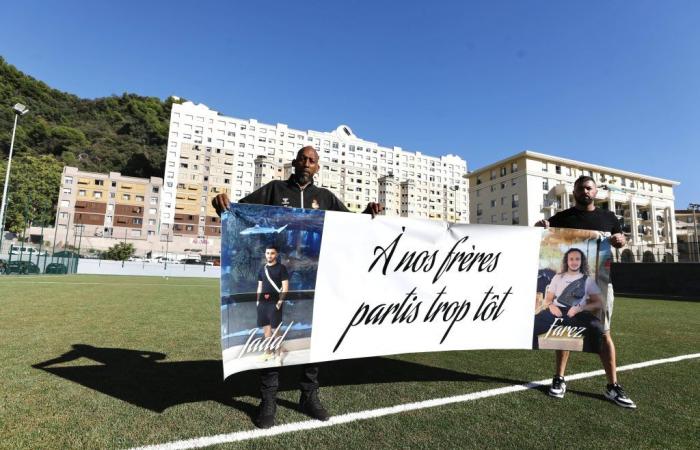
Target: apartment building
[109,205]
[687,227]
[529,186]
[209,153]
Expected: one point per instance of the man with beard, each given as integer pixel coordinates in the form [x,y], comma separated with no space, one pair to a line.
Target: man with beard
[585,216]
[298,191]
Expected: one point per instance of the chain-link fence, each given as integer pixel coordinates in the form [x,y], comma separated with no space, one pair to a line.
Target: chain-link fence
[24,256]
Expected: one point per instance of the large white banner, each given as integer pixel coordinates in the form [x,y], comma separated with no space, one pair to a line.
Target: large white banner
[303,286]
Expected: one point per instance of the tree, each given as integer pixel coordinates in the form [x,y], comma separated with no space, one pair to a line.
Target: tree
[120,251]
[33,190]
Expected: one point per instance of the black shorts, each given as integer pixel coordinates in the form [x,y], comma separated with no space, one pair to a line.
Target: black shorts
[268,314]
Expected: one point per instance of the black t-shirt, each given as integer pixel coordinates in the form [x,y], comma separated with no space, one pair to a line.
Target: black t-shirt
[598,219]
[278,273]
[288,193]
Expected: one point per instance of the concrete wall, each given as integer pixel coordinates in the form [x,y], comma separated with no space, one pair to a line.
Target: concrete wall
[104,267]
[657,280]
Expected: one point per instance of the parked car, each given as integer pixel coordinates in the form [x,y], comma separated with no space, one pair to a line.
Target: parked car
[29,251]
[21,267]
[56,268]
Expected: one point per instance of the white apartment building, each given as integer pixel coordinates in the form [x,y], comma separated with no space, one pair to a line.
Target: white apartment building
[530,186]
[209,153]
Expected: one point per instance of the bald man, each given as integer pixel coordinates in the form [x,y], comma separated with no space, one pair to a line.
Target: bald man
[298,191]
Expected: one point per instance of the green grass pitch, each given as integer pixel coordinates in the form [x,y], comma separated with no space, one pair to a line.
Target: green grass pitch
[136,360]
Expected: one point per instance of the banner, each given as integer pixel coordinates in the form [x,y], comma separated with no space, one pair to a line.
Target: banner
[303,285]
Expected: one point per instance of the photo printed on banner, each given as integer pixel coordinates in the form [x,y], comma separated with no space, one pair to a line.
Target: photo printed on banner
[269,262]
[572,308]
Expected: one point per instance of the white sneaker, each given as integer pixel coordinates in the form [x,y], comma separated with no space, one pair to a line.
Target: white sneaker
[616,394]
[558,387]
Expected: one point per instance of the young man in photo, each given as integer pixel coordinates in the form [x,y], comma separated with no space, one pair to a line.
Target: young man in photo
[585,216]
[273,285]
[298,191]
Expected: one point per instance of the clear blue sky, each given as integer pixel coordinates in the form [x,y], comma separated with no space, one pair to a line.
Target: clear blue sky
[608,82]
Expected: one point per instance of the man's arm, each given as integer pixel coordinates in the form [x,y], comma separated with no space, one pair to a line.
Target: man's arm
[283,293]
[618,240]
[373,208]
[220,203]
[257,297]
[258,197]
[594,303]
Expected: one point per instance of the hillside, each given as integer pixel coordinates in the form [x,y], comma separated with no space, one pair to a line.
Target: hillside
[126,134]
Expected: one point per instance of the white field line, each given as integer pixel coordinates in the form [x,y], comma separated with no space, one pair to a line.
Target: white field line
[372,413]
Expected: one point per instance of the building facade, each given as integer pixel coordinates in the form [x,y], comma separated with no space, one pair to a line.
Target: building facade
[209,153]
[109,205]
[529,186]
[687,227]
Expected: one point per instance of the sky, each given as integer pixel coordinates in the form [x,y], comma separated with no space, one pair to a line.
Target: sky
[615,83]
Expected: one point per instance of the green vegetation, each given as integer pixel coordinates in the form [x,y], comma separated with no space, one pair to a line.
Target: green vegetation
[120,251]
[126,134]
[136,360]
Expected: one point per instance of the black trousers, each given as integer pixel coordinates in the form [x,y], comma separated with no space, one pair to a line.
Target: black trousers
[269,380]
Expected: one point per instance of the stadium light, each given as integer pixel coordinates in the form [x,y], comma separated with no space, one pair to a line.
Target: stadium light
[19,110]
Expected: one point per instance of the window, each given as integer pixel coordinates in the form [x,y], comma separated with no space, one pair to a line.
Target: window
[545,185]
[503,171]
[68,180]
[557,169]
[81,193]
[64,203]
[515,201]
[126,197]
[66,191]
[514,167]
[97,194]
[516,218]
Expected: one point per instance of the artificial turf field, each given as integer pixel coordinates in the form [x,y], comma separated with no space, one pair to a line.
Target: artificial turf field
[118,362]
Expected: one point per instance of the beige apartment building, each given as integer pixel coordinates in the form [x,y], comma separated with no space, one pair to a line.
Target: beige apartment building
[209,153]
[109,205]
[529,186]
[100,208]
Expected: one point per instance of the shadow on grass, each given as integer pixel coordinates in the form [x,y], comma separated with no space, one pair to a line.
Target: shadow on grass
[143,379]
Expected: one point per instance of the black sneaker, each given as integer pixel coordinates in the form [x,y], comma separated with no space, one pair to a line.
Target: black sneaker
[266,413]
[310,405]
[616,394]
[558,387]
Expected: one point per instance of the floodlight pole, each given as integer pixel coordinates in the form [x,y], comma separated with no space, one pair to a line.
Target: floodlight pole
[19,110]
